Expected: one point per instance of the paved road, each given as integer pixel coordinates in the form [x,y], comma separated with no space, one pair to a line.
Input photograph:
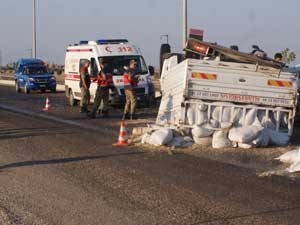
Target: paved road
[60,168]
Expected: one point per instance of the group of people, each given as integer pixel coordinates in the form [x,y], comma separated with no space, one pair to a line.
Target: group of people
[102,93]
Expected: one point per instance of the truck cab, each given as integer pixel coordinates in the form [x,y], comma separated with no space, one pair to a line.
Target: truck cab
[32,75]
[116,55]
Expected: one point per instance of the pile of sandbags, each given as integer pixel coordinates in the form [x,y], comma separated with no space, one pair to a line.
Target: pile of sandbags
[227,127]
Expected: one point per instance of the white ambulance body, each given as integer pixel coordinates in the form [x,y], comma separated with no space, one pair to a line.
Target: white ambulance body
[116,54]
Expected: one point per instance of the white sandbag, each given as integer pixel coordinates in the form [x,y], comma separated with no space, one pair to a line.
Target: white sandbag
[202,117]
[188,139]
[226,125]
[214,123]
[220,139]
[161,137]
[267,123]
[204,141]
[250,117]
[191,116]
[177,142]
[262,140]
[216,113]
[146,138]
[244,134]
[294,168]
[237,115]
[290,157]
[202,107]
[278,138]
[245,146]
[202,131]
[226,115]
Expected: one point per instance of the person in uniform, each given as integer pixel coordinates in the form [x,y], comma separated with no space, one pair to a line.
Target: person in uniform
[85,83]
[102,93]
[130,82]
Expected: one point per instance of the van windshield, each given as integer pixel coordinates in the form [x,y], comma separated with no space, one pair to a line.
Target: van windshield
[34,70]
[115,64]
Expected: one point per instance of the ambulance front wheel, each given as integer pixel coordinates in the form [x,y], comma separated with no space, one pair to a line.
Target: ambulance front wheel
[72,100]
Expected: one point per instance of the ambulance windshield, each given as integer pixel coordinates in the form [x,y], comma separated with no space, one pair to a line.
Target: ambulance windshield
[115,64]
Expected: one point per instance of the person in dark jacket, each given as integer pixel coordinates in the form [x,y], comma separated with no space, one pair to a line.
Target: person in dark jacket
[85,83]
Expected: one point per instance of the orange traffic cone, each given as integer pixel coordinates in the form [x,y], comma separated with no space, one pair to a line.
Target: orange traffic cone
[123,139]
[47,106]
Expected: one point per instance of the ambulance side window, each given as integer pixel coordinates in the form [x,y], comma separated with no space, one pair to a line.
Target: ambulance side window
[94,67]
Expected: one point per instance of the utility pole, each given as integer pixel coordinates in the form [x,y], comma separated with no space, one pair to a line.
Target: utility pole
[34,31]
[184,22]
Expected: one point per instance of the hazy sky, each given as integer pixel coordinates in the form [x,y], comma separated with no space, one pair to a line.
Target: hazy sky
[271,24]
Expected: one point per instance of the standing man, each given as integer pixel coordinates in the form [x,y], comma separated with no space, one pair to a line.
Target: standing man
[130,82]
[102,93]
[85,83]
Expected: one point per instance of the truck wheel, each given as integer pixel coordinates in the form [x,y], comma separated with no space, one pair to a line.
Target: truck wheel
[72,100]
[18,90]
[26,90]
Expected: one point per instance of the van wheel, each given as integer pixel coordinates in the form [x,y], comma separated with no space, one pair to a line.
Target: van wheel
[26,90]
[18,90]
[72,100]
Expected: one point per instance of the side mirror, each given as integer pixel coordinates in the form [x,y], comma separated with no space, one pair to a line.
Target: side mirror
[151,70]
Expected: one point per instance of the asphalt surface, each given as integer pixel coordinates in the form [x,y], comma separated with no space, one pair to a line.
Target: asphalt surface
[58,167]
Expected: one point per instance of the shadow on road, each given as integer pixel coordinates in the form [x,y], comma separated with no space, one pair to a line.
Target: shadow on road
[32,132]
[64,160]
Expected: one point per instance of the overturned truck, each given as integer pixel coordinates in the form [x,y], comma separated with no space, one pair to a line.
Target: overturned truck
[216,88]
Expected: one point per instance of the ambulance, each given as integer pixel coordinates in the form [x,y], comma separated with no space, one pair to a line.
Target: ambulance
[116,55]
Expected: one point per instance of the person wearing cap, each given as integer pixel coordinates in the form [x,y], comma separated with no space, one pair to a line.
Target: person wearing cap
[130,82]
[85,83]
[102,93]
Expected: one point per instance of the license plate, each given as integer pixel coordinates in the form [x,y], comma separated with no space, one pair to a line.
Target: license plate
[138,98]
[42,85]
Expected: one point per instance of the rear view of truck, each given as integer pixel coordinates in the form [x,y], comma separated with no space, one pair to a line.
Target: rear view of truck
[241,90]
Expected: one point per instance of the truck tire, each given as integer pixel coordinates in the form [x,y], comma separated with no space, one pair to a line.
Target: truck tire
[72,100]
[164,48]
[18,90]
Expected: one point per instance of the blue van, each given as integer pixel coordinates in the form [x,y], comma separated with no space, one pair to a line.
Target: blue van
[32,74]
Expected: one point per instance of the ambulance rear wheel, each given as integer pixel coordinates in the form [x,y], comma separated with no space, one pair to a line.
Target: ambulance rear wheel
[72,100]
